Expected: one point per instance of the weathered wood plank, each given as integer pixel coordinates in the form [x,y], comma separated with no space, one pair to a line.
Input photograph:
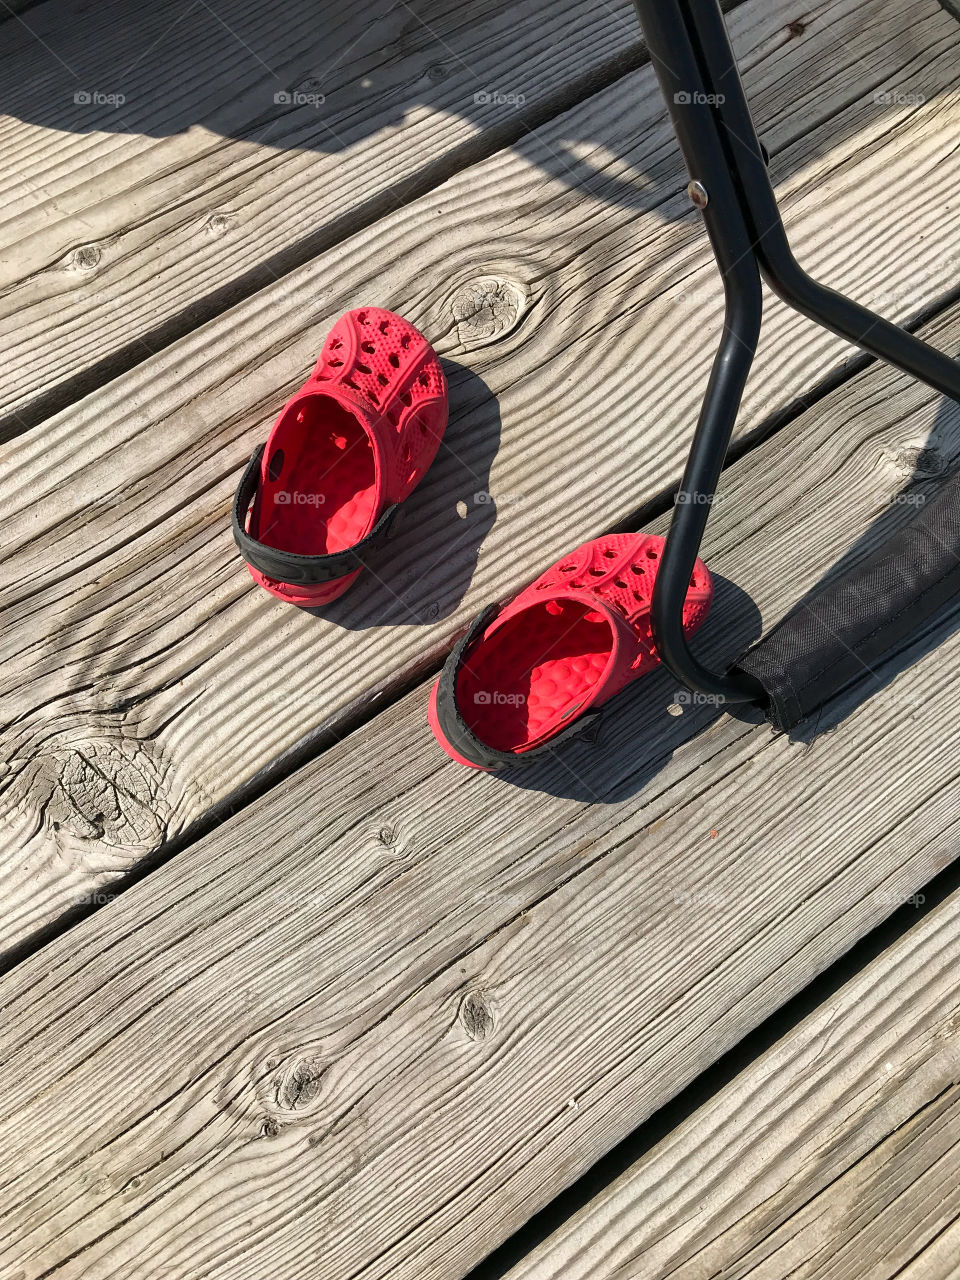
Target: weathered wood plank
[373,1022]
[836,1153]
[125,221]
[148,679]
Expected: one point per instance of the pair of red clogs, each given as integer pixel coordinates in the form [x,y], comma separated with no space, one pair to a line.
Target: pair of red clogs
[319,497]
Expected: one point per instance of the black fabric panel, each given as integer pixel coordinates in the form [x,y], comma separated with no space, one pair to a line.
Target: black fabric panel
[838,636]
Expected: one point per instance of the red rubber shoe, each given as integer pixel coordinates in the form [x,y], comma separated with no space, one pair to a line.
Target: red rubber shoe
[345,451]
[533,674]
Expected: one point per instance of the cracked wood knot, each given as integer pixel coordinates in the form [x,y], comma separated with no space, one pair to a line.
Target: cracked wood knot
[486,310]
[476,1016]
[103,789]
[299,1086]
[87,257]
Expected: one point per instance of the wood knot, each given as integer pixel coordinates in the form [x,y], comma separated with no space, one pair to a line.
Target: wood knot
[796,28]
[299,1086]
[86,257]
[476,1015]
[919,462]
[486,310]
[929,461]
[391,841]
[107,790]
[218,224]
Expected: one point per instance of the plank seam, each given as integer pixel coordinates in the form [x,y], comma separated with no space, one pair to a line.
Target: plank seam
[710,1082]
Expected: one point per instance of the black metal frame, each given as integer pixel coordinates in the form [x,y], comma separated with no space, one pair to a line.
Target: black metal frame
[691,53]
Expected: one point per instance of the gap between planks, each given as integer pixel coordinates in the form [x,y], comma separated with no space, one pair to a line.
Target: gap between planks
[836,1152]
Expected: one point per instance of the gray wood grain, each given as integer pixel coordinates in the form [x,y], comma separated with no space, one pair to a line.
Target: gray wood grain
[373,1022]
[147,679]
[126,220]
[837,1153]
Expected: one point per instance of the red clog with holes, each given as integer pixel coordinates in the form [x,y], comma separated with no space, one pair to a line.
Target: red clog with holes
[533,674]
[345,451]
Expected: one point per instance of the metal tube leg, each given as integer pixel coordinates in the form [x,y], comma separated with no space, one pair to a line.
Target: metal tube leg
[713,190]
[859,325]
[691,54]
[717,417]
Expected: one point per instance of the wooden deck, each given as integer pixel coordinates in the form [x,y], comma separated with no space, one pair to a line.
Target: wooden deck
[289,994]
